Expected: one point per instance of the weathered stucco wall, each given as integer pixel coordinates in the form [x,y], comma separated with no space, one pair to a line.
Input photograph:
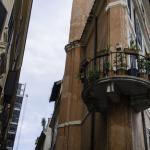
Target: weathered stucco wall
[80,12]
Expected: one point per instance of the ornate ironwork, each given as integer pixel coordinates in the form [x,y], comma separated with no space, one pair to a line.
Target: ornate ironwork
[114,64]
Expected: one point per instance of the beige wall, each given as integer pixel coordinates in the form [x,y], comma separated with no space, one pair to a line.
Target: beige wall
[80,13]
[120,128]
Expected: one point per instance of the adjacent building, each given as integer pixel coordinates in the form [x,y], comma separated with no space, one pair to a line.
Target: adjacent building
[105,96]
[43,142]
[47,139]
[13,125]
[14,21]
[55,97]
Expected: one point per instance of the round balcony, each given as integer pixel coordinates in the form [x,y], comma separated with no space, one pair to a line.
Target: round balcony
[112,75]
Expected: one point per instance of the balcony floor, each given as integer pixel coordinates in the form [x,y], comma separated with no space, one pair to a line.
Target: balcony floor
[102,91]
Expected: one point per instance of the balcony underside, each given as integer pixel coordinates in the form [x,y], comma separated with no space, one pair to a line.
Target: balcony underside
[100,94]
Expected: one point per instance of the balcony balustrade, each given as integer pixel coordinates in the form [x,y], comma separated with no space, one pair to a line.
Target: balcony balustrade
[111,75]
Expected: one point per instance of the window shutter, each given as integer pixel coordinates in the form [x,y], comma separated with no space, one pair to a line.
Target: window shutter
[129,7]
[2,63]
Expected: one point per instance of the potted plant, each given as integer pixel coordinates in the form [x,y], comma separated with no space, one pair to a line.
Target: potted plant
[148,56]
[120,64]
[82,75]
[93,75]
[106,66]
[132,49]
[121,69]
[108,69]
[147,67]
[111,71]
[141,67]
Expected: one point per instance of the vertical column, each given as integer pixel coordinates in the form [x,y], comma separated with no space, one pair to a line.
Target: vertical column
[125,129]
[118,23]
[69,135]
[119,126]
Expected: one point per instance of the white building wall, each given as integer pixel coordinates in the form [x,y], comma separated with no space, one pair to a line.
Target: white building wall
[48,139]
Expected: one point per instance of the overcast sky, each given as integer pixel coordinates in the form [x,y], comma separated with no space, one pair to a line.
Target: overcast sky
[43,64]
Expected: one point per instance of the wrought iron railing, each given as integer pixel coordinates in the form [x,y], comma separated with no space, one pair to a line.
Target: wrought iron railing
[114,64]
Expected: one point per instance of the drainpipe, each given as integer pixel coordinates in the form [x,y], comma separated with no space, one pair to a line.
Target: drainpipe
[144,131]
[93,113]
[95,42]
[93,131]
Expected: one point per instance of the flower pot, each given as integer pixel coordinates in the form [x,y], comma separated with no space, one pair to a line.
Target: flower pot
[143,75]
[148,56]
[111,73]
[121,71]
[131,51]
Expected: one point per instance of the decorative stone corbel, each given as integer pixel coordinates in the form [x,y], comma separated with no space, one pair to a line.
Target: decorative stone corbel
[72,45]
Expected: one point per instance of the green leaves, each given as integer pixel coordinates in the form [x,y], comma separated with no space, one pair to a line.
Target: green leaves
[93,75]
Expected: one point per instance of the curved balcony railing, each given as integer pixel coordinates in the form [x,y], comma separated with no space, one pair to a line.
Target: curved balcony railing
[119,63]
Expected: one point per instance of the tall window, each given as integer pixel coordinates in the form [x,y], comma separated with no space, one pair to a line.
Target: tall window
[11,26]
[3,14]
[3,59]
[129,7]
[138,33]
[133,61]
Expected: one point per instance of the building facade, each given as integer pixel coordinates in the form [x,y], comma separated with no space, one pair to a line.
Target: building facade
[43,142]
[14,21]
[106,106]
[55,97]
[13,125]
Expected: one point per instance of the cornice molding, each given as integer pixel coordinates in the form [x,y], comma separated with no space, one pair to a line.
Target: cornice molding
[73,45]
[116,3]
[75,122]
[70,123]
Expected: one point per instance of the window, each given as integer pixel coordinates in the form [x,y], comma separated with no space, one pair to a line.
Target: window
[129,7]
[10,143]
[138,33]
[3,14]
[13,128]
[17,105]
[16,113]
[3,60]
[19,99]
[11,136]
[11,26]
